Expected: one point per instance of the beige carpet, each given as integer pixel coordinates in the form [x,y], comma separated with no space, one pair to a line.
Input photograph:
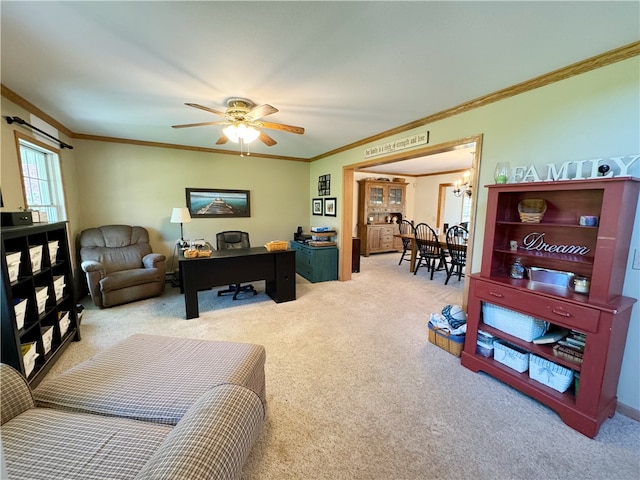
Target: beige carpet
[355,391]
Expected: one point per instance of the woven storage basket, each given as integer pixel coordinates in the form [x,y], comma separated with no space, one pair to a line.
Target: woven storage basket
[531,210]
[277,245]
[549,373]
[514,323]
[511,356]
[451,343]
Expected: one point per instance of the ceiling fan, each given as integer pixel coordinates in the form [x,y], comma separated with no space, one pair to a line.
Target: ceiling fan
[243,120]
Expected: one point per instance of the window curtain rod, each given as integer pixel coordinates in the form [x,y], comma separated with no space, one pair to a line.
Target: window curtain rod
[20,121]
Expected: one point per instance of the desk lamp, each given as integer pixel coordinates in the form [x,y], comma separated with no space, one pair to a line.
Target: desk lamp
[180,215]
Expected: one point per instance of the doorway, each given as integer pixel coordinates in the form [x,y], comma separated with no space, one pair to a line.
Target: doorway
[349,192]
[453,209]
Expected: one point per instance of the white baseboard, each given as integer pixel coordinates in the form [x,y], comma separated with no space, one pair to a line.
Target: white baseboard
[628,411]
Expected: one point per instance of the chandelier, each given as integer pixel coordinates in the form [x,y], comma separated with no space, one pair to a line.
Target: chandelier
[463,187]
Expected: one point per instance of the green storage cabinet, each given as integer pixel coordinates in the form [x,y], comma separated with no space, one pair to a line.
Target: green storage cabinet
[316,264]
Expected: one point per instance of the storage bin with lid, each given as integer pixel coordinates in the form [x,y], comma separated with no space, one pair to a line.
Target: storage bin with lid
[58,286]
[53,250]
[35,254]
[47,338]
[13,265]
[42,293]
[63,322]
[29,355]
[20,309]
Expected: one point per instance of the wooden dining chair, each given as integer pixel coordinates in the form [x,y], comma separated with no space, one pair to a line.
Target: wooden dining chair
[430,253]
[456,238]
[406,228]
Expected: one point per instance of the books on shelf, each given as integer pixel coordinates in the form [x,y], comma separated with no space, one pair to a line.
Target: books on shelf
[551,337]
[568,353]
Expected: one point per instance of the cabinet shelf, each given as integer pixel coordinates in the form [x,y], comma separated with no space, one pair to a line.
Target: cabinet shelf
[560,257]
[21,239]
[524,383]
[603,314]
[378,203]
[544,351]
[546,224]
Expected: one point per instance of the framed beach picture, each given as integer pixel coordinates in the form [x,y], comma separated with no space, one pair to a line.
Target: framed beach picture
[218,203]
[330,207]
[316,206]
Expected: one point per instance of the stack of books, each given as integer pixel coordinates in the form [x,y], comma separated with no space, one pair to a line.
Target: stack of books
[571,347]
[320,237]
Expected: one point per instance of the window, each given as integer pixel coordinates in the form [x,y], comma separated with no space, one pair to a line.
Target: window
[466,209]
[42,181]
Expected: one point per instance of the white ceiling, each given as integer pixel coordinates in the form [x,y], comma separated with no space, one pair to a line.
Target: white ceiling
[344,71]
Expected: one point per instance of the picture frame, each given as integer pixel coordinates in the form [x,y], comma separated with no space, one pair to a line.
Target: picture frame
[218,203]
[324,185]
[317,206]
[330,207]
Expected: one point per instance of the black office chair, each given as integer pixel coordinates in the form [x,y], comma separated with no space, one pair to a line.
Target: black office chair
[234,239]
[429,249]
[406,228]
[457,238]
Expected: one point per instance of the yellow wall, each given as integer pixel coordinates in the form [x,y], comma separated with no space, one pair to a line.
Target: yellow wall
[140,185]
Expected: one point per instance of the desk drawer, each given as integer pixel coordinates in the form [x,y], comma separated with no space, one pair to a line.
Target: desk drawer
[558,312]
[304,270]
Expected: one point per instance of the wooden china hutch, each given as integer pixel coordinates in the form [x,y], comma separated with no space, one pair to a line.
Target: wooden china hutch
[599,253]
[379,203]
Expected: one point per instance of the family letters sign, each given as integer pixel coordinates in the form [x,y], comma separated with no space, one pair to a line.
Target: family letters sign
[575,170]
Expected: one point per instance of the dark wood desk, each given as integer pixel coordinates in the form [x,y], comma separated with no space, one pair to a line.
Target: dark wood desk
[242,265]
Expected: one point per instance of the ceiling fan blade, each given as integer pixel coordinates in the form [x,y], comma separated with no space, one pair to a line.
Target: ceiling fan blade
[283,127]
[261,111]
[222,140]
[267,140]
[198,124]
[206,109]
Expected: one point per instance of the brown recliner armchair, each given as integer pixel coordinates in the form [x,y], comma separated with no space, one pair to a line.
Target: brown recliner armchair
[119,265]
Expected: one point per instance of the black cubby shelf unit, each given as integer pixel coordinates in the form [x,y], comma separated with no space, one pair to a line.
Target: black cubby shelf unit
[52,325]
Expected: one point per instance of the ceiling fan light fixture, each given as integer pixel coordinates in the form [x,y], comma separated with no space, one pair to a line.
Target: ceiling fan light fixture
[241,131]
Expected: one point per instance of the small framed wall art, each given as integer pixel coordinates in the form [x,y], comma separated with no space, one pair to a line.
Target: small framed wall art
[330,207]
[324,185]
[316,206]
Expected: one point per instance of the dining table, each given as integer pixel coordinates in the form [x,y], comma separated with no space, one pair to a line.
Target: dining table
[442,240]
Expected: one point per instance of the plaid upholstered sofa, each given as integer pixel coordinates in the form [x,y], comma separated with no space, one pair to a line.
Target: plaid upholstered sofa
[111,418]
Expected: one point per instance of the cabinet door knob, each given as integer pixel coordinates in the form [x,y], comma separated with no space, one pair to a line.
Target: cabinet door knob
[560,311]
[496,294]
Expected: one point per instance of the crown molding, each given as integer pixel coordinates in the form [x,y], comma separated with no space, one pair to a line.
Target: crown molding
[144,143]
[584,66]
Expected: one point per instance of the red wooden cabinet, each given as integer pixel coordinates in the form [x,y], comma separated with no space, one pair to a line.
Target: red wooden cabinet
[559,242]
